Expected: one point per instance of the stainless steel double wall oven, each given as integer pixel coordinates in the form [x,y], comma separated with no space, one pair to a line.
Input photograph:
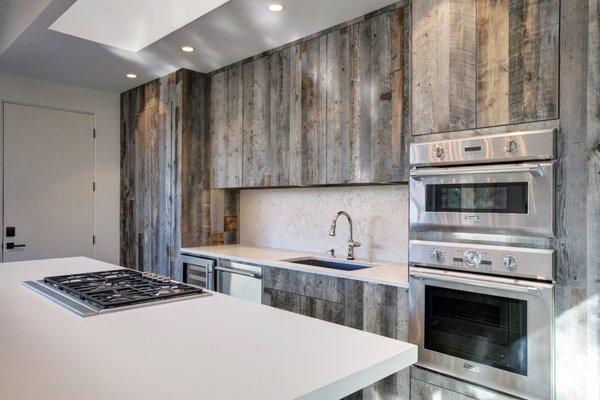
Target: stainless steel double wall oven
[484,312]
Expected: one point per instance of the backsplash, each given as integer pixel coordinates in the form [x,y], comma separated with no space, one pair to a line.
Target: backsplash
[299,219]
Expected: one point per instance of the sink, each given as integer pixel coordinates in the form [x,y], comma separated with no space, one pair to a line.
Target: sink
[329,263]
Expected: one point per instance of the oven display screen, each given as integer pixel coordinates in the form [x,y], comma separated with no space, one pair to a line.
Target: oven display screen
[485,329]
[478,198]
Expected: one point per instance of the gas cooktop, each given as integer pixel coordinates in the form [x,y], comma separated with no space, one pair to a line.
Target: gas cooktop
[95,293]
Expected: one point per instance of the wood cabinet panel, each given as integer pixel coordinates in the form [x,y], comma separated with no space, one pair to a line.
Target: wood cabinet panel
[368,110]
[444,66]
[225,110]
[308,113]
[517,61]
[374,308]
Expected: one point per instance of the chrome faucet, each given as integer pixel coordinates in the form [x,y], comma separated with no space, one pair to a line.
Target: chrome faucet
[351,243]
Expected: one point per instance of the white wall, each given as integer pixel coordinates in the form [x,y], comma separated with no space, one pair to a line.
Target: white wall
[299,219]
[105,107]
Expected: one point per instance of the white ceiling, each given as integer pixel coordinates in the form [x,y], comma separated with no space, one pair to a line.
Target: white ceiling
[135,24]
[236,30]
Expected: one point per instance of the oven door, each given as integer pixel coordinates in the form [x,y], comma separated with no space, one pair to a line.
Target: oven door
[510,199]
[492,331]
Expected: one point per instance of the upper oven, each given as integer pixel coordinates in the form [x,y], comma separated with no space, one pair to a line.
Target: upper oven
[500,184]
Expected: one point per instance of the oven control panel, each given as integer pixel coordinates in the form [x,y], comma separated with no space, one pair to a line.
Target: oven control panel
[477,258]
[506,147]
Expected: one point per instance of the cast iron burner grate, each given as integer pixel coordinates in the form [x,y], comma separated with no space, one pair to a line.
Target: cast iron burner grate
[119,288]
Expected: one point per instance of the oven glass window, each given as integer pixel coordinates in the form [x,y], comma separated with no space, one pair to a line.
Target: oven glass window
[478,198]
[486,329]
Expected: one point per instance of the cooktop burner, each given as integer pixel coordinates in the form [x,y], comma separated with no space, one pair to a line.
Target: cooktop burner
[109,289]
[94,293]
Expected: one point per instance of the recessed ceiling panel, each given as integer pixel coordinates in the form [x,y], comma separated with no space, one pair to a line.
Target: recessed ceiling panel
[131,24]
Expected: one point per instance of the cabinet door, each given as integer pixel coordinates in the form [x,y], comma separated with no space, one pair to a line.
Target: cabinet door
[266,119]
[225,112]
[517,61]
[367,100]
[444,66]
[308,113]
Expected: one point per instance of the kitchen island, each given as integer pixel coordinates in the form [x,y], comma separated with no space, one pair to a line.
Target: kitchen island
[216,347]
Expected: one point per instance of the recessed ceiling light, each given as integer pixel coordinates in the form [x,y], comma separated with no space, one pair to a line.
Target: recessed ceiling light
[187,49]
[275,7]
[131,76]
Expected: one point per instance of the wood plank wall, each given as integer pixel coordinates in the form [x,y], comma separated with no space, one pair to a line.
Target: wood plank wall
[166,200]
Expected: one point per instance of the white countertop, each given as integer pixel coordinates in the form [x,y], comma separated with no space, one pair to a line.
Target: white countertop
[382,272]
[216,347]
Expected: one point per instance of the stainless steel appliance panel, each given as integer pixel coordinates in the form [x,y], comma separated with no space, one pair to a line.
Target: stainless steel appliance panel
[522,367]
[485,195]
[199,271]
[509,147]
[239,280]
[484,259]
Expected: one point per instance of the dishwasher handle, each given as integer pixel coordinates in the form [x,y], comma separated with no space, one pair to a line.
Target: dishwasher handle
[238,271]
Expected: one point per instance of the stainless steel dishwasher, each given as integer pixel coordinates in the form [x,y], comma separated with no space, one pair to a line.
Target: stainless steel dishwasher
[239,280]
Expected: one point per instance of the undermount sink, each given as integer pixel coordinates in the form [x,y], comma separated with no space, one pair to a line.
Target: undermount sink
[329,263]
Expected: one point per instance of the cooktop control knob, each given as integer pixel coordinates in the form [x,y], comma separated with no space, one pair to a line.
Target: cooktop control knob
[511,146]
[437,255]
[509,263]
[439,152]
[472,258]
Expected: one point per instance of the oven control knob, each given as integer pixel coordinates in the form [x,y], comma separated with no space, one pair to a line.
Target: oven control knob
[509,263]
[439,152]
[472,258]
[437,255]
[511,146]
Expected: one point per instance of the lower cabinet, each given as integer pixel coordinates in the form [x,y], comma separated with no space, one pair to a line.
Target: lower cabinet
[374,308]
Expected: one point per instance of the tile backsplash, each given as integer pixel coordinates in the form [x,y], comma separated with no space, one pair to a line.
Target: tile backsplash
[299,219]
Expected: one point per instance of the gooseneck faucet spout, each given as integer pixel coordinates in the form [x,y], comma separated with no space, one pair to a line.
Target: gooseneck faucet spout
[351,243]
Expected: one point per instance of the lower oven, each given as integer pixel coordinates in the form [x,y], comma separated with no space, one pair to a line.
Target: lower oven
[493,331]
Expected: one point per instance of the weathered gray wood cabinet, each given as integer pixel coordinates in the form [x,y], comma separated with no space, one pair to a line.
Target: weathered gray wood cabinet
[479,63]
[330,109]
[166,200]
[379,309]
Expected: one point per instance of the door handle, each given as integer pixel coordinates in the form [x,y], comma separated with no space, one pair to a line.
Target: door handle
[10,245]
[237,271]
[537,170]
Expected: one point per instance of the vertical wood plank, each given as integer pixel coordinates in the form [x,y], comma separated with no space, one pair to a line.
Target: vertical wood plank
[235,121]
[279,149]
[443,65]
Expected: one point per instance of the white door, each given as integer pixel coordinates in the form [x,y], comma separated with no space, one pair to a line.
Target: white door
[48,173]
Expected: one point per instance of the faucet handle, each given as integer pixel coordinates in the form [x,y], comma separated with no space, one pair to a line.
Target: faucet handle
[331,252]
[354,244]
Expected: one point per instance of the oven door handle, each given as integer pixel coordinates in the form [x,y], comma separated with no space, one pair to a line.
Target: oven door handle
[530,290]
[536,170]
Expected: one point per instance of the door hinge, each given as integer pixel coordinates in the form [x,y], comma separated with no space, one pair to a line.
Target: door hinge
[94,186]
[94,239]
[94,133]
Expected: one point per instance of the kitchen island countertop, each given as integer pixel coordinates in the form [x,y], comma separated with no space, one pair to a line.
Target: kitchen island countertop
[381,272]
[216,347]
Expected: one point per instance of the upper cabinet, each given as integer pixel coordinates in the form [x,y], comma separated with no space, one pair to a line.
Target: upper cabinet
[368,100]
[332,109]
[479,63]
[225,121]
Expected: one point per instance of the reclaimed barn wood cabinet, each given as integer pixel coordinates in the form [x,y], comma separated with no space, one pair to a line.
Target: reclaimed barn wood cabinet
[379,309]
[480,63]
[166,199]
[330,109]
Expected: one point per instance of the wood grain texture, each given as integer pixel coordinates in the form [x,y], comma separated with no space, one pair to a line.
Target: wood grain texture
[577,342]
[443,66]
[378,309]
[517,69]
[165,195]
[308,110]
[367,100]
[226,123]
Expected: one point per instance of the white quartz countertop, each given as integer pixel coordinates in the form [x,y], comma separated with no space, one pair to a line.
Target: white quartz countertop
[382,272]
[217,347]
